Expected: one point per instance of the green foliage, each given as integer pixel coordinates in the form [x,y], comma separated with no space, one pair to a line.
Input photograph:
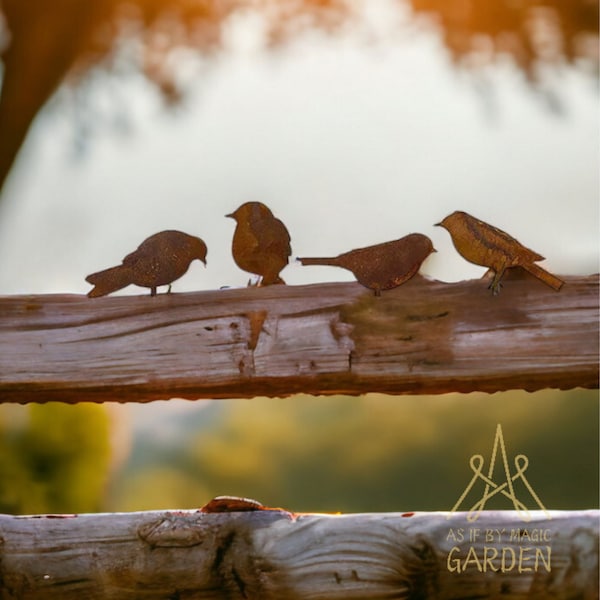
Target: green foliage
[53,458]
[374,452]
[160,488]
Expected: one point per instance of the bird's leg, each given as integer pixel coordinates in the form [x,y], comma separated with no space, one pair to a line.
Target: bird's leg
[496,285]
[153,291]
[169,289]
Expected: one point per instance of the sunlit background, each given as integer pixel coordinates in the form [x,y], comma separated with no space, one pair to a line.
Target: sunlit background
[357,122]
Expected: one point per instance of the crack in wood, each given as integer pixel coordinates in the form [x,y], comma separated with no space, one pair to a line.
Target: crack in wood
[234,566]
[239,582]
[135,331]
[420,318]
[222,550]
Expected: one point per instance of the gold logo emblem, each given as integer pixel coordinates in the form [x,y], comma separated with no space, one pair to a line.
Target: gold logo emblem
[506,487]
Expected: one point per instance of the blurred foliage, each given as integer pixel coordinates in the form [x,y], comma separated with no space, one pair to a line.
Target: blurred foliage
[53,458]
[41,48]
[373,453]
[532,33]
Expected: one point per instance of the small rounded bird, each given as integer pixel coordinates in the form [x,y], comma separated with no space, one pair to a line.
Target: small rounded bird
[159,260]
[488,246]
[383,266]
[261,242]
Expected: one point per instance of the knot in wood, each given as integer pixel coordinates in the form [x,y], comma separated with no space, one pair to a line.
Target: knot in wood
[172,531]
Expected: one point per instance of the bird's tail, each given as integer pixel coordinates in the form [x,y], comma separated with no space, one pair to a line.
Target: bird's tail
[108,281]
[543,275]
[327,262]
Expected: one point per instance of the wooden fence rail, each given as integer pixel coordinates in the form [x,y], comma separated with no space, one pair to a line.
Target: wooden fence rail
[277,555]
[425,337]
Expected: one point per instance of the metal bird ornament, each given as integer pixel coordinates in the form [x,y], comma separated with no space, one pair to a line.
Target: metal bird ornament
[159,260]
[382,266]
[261,242]
[487,246]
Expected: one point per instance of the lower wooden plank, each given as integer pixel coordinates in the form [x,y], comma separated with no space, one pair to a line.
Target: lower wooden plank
[278,555]
[424,337]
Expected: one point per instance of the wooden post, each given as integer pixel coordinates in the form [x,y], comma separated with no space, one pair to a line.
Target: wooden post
[425,337]
[277,555]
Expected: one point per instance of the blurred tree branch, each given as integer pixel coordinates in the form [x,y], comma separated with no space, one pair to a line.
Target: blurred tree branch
[46,47]
[532,32]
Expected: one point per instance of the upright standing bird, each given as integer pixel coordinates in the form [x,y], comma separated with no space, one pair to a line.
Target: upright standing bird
[261,242]
[383,266]
[159,260]
[488,246]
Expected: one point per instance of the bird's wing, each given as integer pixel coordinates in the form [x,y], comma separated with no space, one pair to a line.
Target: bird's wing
[270,235]
[151,246]
[147,255]
[145,260]
[273,236]
[500,240]
[133,258]
[165,244]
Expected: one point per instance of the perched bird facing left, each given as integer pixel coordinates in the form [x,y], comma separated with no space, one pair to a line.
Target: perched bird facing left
[487,246]
[382,266]
[261,242]
[159,260]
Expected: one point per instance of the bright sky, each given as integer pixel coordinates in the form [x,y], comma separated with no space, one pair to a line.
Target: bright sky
[350,144]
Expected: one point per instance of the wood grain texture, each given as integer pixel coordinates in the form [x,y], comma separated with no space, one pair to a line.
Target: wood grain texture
[276,555]
[425,337]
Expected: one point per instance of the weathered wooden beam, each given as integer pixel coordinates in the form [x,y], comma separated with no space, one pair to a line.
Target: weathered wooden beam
[425,337]
[276,555]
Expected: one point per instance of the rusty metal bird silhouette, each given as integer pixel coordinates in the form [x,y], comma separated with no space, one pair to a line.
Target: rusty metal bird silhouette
[382,266]
[159,260]
[487,246]
[261,242]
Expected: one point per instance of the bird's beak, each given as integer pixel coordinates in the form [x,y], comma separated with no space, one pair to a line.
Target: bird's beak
[437,225]
[230,215]
[205,262]
[433,250]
